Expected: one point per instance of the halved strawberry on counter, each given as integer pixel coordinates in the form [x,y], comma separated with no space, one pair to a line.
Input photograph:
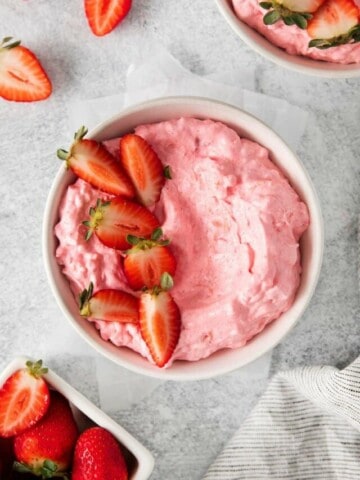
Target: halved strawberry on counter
[24,399]
[337,22]
[109,305]
[112,221]
[92,162]
[147,260]
[160,321]
[46,449]
[143,167]
[104,15]
[98,456]
[291,12]
[22,78]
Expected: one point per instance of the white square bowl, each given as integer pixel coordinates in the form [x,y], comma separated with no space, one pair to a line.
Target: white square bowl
[139,460]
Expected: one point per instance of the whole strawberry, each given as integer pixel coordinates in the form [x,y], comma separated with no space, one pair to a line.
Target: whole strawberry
[46,449]
[98,457]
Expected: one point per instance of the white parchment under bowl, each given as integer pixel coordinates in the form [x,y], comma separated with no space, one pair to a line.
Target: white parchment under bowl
[279,56]
[311,244]
[139,460]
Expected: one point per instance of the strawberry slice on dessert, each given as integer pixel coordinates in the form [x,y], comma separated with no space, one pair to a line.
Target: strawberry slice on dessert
[109,305]
[91,161]
[291,12]
[22,78]
[147,260]
[337,22]
[104,15]
[114,220]
[24,399]
[160,321]
[143,167]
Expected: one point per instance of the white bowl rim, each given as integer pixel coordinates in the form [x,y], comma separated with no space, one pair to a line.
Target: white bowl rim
[168,374]
[275,54]
[144,458]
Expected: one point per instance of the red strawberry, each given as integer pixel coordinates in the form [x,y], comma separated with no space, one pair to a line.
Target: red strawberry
[147,260]
[104,15]
[24,399]
[109,305]
[291,12]
[98,456]
[91,161]
[22,78]
[143,167]
[114,220]
[47,448]
[335,23]
[160,321]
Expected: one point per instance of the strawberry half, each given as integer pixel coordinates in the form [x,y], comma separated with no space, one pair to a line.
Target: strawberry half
[147,260]
[335,23]
[98,456]
[104,15]
[109,305]
[291,12]
[91,161]
[114,220]
[160,321]
[24,399]
[22,78]
[143,167]
[46,449]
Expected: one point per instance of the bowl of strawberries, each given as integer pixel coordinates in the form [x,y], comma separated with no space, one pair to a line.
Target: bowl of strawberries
[49,430]
[182,238]
[315,37]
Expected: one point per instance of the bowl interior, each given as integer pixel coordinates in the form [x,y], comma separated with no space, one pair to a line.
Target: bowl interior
[311,244]
[298,63]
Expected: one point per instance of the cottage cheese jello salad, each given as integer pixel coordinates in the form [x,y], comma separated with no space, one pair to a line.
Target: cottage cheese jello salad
[327,30]
[179,239]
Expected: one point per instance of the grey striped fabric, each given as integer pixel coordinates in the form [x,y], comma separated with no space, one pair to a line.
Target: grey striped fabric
[305,427]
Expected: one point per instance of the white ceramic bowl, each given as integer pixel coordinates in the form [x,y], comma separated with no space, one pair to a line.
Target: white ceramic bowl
[86,414]
[311,246]
[298,63]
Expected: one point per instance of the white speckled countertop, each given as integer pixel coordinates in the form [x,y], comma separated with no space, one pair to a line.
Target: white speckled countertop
[184,425]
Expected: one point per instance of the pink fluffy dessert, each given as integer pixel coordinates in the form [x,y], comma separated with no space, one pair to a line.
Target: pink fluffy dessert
[234,222]
[292,38]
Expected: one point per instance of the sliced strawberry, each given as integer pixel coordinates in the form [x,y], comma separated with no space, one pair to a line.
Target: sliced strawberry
[114,220]
[24,399]
[160,323]
[104,15]
[335,23]
[109,305]
[147,260]
[91,161]
[143,167]
[22,78]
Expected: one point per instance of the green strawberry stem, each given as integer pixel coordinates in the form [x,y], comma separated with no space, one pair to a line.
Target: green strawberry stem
[84,299]
[353,36]
[140,243]
[9,42]
[279,12]
[36,369]
[48,469]
[79,135]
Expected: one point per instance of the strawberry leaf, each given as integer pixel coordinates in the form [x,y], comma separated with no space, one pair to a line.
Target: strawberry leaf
[166,282]
[272,17]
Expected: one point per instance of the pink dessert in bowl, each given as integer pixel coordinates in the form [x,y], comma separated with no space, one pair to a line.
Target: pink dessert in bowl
[296,40]
[234,222]
[322,40]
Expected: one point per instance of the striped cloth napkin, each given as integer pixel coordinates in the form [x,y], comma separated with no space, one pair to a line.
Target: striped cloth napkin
[305,427]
